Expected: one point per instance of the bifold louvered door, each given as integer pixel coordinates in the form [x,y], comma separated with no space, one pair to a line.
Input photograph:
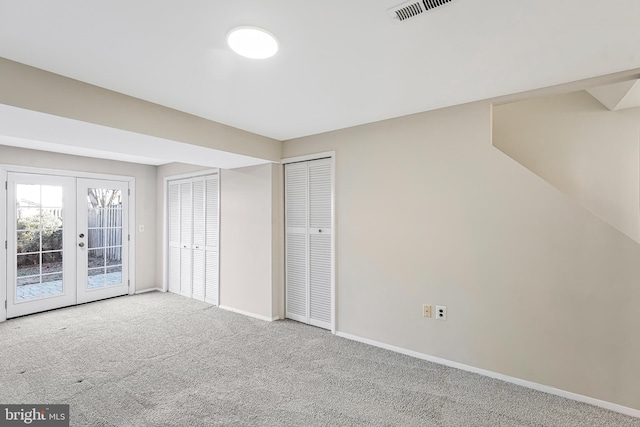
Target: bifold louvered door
[193,237]
[208,247]
[308,212]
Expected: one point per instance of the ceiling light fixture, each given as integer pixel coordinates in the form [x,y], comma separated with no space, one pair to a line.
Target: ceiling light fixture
[252,42]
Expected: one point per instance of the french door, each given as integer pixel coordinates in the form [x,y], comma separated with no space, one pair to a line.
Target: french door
[102,234]
[66,241]
[41,270]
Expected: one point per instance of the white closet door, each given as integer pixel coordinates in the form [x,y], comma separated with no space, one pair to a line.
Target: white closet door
[296,219]
[309,237]
[320,234]
[186,234]
[211,239]
[199,227]
[174,237]
[193,219]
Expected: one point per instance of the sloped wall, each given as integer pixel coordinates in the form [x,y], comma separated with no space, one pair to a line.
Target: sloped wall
[537,287]
[577,145]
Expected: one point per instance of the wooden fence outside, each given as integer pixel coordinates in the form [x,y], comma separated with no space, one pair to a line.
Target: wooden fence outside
[105,230]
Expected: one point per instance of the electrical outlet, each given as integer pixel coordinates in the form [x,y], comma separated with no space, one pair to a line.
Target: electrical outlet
[426,310]
[441,312]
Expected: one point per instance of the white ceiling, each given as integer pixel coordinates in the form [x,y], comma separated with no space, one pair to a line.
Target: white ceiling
[340,63]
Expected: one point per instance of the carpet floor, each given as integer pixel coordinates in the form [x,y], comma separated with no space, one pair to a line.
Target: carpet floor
[158,359]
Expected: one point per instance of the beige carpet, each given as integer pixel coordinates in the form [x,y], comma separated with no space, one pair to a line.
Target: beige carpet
[163,360]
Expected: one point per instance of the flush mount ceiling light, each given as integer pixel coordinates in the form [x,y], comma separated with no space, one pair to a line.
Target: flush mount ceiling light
[252,42]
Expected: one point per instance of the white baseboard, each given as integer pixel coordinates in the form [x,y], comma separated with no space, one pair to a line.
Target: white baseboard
[524,383]
[144,291]
[246,313]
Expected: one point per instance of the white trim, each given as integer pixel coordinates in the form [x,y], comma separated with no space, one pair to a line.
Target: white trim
[192,174]
[165,236]
[3,239]
[144,291]
[246,313]
[308,157]
[506,378]
[307,237]
[333,244]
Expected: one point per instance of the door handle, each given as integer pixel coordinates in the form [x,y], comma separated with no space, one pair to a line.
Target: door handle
[81,244]
[81,235]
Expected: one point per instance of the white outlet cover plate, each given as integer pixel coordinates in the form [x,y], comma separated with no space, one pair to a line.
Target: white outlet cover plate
[441,312]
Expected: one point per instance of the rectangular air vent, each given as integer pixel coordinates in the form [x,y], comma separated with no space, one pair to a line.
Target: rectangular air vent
[414,8]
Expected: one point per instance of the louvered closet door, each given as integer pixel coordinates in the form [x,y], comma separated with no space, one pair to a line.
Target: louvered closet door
[174,237]
[296,218]
[180,236]
[320,235]
[193,216]
[186,237]
[212,215]
[199,227]
[308,201]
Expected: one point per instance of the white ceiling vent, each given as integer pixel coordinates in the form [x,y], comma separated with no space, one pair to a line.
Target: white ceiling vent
[414,8]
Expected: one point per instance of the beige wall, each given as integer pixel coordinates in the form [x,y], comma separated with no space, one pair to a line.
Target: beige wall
[576,144]
[428,211]
[145,176]
[247,261]
[277,244]
[34,89]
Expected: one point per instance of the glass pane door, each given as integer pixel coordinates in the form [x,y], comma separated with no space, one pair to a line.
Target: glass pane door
[104,226]
[102,236]
[39,240]
[41,275]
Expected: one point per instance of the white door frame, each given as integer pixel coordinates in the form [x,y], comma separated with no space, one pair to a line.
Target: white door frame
[3,249]
[165,223]
[317,156]
[6,168]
